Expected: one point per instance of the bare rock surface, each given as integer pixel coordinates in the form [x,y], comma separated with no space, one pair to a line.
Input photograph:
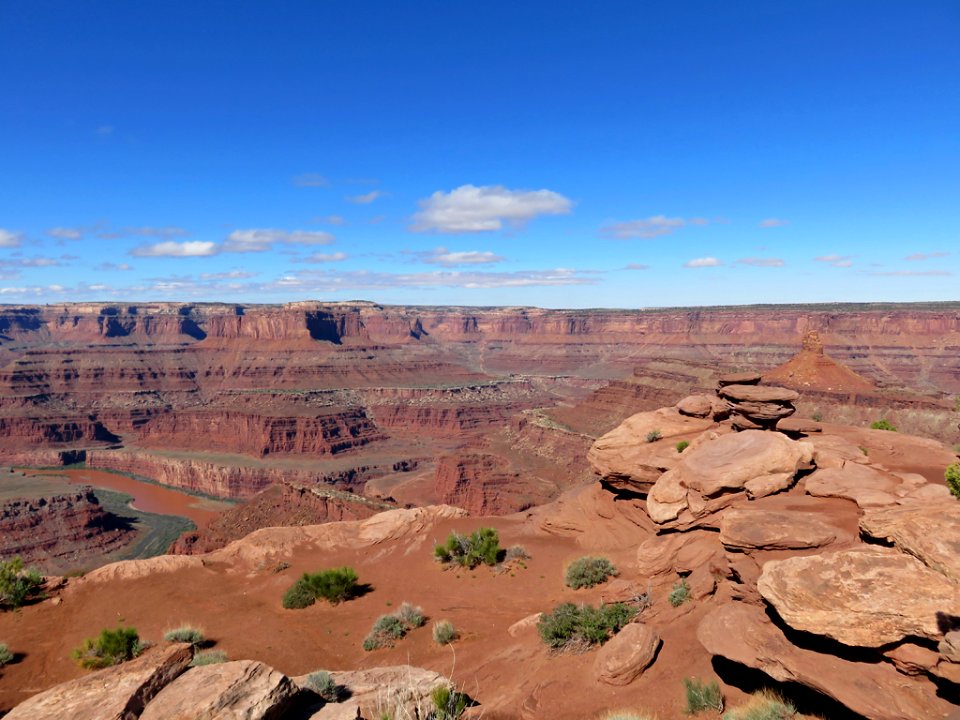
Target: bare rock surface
[928,532]
[724,464]
[623,658]
[624,454]
[739,378]
[758,394]
[866,486]
[398,691]
[753,529]
[115,693]
[699,406]
[743,634]
[862,597]
[799,426]
[239,690]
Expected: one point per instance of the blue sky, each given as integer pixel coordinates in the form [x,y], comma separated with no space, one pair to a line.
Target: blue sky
[562,154]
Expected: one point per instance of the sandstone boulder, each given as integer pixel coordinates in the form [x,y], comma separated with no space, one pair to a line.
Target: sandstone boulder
[239,690]
[677,553]
[912,659]
[928,532]
[757,529]
[743,633]
[699,406]
[724,465]
[624,456]
[949,647]
[739,378]
[625,656]
[867,597]
[798,426]
[864,485]
[116,693]
[758,394]
[398,691]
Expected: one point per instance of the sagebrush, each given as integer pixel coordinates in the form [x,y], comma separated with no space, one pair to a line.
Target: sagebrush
[589,571]
[702,696]
[482,546]
[335,585]
[574,627]
[18,584]
[110,647]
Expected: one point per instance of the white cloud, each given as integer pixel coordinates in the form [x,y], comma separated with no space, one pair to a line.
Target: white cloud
[925,256]
[761,262]
[310,180]
[263,239]
[703,262]
[113,267]
[839,261]
[325,257]
[326,281]
[469,208]
[647,228]
[10,239]
[914,273]
[773,222]
[170,248]
[229,275]
[65,233]
[447,258]
[332,220]
[636,266]
[144,231]
[367,198]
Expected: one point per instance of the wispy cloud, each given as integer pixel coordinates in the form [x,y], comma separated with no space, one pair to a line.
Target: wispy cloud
[228,275]
[913,273]
[113,267]
[648,228]
[171,248]
[773,223]
[105,130]
[331,220]
[636,266]
[761,262]
[311,180]
[263,239]
[469,208]
[326,281]
[839,261]
[144,231]
[10,239]
[65,233]
[703,262]
[325,257]
[448,258]
[926,256]
[366,198]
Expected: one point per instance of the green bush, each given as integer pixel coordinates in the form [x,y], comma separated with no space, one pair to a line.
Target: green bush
[883,424]
[444,632]
[589,571]
[763,705]
[185,634]
[570,626]
[18,584]
[448,704]
[335,585]
[386,630]
[411,615]
[682,445]
[702,696]
[654,435]
[111,647]
[482,546]
[323,684]
[952,477]
[817,416]
[208,657]
[6,657]
[680,593]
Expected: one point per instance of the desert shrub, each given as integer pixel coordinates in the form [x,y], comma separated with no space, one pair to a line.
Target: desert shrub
[883,424]
[515,552]
[570,626]
[702,696]
[952,477]
[323,684]
[185,634]
[956,404]
[208,657]
[763,705]
[654,435]
[111,647]
[481,546]
[680,593]
[385,631]
[682,445]
[448,704]
[817,416]
[6,657]
[17,583]
[444,632]
[335,585]
[411,615]
[589,571]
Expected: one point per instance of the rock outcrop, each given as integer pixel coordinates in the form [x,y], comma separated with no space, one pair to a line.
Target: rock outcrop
[623,659]
[928,531]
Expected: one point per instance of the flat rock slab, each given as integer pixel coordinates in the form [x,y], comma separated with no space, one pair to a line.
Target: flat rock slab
[930,532]
[239,690]
[739,378]
[759,529]
[743,633]
[116,693]
[866,597]
[758,394]
[624,657]
[396,691]
[724,464]
[799,426]
[864,485]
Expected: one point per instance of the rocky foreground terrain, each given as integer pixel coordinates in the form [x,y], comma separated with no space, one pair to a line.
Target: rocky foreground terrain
[488,409]
[814,558]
